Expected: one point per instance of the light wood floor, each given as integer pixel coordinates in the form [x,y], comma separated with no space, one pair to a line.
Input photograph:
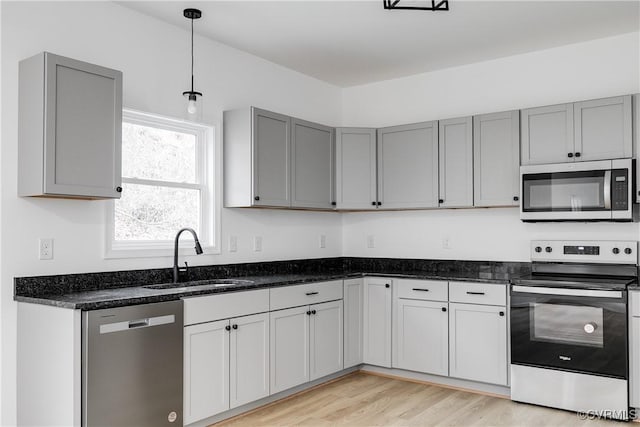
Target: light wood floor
[369,400]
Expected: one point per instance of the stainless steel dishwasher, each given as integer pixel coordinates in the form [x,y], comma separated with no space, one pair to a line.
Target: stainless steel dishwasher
[132,365]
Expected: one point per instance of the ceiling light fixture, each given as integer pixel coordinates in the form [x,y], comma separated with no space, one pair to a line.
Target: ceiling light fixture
[433,5]
[192,95]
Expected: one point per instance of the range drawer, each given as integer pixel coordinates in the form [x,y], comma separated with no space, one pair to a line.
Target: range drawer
[223,306]
[432,290]
[478,293]
[312,293]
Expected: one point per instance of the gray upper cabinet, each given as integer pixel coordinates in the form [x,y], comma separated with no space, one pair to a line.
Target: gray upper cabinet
[408,166]
[603,129]
[456,162]
[271,147]
[598,129]
[496,159]
[547,134]
[257,147]
[312,154]
[356,168]
[70,128]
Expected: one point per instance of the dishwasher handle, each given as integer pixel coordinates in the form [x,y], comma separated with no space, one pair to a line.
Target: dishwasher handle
[150,322]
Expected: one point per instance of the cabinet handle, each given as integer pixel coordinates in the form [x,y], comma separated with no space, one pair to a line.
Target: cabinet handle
[256,198]
[501,313]
[119,189]
[578,154]
[313,312]
[516,198]
[444,308]
[475,293]
[440,200]
[386,285]
[373,203]
[379,203]
[333,203]
[308,313]
[235,326]
[227,328]
[569,154]
[420,289]
[311,293]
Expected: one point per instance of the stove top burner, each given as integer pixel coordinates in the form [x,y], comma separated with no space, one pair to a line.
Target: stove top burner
[615,283]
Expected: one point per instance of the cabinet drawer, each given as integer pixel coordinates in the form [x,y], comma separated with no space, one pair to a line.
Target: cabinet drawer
[431,290]
[223,306]
[312,293]
[634,303]
[478,293]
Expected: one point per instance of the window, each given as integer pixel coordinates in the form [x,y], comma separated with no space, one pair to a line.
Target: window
[167,184]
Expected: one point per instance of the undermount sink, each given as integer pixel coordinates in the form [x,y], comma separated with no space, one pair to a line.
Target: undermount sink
[201,284]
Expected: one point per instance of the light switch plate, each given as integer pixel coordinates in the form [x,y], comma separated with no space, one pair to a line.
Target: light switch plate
[233,243]
[323,241]
[257,244]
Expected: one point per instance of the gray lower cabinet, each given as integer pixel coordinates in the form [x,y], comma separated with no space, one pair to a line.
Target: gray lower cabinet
[377,322]
[478,343]
[455,142]
[289,348]
[356,168]
[636,138]
[325,339]
[603,129]
[353,321]
[421,336]
[547,134]
[634,349]
[70,129]
[408,166]
[496,159]
[312,161]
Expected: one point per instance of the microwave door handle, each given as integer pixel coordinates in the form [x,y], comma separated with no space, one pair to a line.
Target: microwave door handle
[607,189]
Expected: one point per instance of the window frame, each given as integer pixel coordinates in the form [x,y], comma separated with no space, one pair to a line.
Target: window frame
[208,166]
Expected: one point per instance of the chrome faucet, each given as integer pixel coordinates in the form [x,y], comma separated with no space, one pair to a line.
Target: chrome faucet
[198,248]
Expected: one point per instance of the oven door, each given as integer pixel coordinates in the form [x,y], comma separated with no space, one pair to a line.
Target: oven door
[575,330]
[575,191]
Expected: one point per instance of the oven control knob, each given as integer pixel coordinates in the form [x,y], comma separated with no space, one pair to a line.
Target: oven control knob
[627,251]
[616,251]
[590,327]
[548,249]
[538,249]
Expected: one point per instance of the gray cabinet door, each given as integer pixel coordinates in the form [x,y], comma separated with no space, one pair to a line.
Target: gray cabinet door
[311,165]
[478,343]
[547,134]
[455,140]
[271,145]
[289,348]
[422,336]
[377,322]
[603,129]
[408,166]
[496,159]
[353,319]
[80,107]
[356,168]
[325,345]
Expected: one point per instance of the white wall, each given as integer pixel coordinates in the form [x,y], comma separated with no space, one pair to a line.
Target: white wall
[154,58]
[594,69]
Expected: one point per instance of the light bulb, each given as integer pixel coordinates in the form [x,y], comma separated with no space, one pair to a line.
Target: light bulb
[192,108]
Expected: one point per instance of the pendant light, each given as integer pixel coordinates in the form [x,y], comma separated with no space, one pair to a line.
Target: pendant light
[417,4]
[192,95]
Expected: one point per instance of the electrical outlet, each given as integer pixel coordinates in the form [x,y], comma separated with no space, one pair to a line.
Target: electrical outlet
[257,244]
[45,248]
[446,243]
[323,241]
[371,241]
[233,243]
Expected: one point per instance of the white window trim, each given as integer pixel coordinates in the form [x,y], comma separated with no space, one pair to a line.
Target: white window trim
[209,161]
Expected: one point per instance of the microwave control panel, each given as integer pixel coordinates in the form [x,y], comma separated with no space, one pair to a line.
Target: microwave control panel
[619,190]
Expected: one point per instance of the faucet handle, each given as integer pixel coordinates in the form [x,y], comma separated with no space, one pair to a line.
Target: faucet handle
[185,268]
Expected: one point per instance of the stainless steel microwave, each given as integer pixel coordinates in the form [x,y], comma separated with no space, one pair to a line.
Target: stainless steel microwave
[581,191]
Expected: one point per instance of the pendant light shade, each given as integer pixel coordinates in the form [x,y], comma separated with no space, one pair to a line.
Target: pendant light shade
[192,95]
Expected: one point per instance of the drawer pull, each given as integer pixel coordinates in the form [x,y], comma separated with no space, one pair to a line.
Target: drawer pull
[475,293]
[311,293]
[420,289]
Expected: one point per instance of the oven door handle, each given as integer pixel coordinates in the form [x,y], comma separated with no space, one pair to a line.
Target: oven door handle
[607,189]
[567,292]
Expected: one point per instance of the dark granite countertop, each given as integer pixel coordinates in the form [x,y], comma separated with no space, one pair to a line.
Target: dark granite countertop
[116,289]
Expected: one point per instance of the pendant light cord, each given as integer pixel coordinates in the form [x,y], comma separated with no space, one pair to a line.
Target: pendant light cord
[191,54]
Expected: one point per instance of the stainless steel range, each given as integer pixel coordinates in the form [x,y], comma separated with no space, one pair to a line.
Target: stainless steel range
[569,326]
